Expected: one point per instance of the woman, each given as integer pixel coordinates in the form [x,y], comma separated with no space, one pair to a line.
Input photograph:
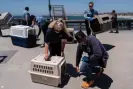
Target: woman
[56,38]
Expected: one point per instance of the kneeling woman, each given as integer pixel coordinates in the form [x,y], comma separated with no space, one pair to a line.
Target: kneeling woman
[56,38]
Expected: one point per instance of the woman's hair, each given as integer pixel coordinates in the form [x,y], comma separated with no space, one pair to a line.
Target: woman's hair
[52,24]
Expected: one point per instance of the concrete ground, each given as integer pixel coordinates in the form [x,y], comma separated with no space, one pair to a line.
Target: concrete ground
[118,74]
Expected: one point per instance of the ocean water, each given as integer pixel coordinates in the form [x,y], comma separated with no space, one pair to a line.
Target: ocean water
[68,17]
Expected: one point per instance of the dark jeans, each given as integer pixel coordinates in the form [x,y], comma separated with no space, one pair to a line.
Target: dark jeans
[114,26]
[55,49]
[87,69]
[88,31]
[92,25]
[0,32]
[25,23]
[42,29]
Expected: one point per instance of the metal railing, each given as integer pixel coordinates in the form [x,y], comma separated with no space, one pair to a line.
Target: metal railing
[80,24]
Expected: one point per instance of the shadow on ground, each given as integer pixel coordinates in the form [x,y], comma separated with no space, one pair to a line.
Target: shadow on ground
[71,70]
[37,45]
[65,81]
[5,36]
[108,46]
[2,58]
[103,82]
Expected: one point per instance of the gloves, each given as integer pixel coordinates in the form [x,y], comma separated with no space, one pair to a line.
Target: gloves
[85,59]
[91,19]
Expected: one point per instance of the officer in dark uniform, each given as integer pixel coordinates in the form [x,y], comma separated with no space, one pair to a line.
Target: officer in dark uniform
[114,21]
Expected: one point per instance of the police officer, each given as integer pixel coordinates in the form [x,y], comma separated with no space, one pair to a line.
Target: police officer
[96,52]
[89,15]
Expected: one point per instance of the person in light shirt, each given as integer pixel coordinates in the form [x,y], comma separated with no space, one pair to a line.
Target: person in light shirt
[26,17]
[90,15]
[43,26]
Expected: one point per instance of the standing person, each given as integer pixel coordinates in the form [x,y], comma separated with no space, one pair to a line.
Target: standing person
[33,20]
[41,22]
[56,38]
[43,26]
[27,20]
[96,53]
[89,15]
[44,29]
[114,21]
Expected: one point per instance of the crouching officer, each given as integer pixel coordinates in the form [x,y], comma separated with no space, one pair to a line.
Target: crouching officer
[96,59]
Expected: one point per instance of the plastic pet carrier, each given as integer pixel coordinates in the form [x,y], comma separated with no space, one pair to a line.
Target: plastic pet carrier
[102,23]
[49,72]
[23,36]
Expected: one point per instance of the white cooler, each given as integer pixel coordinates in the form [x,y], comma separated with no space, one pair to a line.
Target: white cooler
[23,36]
[48,72]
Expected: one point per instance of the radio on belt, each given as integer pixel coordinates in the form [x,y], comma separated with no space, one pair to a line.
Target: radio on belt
[48,72]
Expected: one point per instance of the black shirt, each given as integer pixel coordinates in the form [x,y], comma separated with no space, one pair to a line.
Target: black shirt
[53,37]
[114,17]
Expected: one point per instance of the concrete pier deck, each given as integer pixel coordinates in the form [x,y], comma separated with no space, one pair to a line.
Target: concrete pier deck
[118,74]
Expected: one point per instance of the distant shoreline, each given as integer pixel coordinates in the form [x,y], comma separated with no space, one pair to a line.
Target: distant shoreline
[79,17]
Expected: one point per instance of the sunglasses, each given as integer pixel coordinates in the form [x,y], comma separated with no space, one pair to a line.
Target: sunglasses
[90,6]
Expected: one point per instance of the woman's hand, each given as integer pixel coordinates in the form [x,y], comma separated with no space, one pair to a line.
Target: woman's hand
[46,57]
[64,41]
[77,69]
[62,54]
[46,51]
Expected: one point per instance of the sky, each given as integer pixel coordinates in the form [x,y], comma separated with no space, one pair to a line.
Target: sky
[39,7]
